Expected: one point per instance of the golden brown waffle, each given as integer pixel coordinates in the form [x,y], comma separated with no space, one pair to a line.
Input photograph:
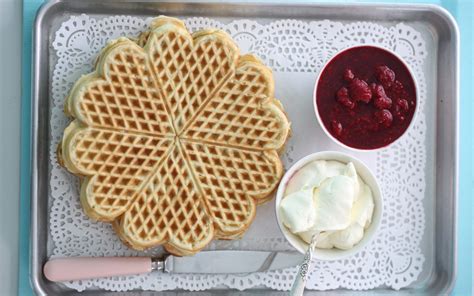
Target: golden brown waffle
[176,137]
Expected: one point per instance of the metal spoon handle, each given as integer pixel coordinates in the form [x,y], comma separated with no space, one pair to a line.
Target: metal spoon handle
[297,288]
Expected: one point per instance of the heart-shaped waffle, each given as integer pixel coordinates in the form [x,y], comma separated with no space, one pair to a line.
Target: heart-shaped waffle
[175,137]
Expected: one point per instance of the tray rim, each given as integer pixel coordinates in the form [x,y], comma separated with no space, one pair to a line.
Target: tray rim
[38,282]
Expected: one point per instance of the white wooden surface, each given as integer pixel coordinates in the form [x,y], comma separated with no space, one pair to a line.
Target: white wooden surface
[10,89]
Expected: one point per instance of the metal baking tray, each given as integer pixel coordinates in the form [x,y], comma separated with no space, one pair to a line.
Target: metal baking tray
[443,77]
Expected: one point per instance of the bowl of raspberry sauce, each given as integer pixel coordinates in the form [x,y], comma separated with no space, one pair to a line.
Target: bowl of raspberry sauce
[365,97]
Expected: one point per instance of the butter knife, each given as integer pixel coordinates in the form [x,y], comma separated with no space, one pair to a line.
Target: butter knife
[210,262]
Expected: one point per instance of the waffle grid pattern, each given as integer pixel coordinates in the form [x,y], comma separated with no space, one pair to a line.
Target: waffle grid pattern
[179,138]
[130,99]
[231,178]
[169,206]
[235,115]
[187,72]
[119,163]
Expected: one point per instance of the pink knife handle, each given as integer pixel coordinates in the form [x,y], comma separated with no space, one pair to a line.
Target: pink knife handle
[80,268]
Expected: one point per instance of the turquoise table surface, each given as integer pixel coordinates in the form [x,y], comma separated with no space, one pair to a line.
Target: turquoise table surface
[462,10]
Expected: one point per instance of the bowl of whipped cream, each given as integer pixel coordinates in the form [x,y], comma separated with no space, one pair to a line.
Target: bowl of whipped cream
[331,194]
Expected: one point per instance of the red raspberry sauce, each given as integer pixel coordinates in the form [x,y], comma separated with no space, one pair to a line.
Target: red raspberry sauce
[360,127]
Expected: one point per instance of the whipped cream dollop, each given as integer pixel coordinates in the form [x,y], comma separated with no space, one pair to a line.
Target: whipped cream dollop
[328,197]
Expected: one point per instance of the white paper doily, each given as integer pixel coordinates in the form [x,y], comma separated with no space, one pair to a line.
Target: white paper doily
[290,48]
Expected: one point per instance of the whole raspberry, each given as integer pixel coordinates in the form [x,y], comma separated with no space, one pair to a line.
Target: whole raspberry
[378,91]
[385,75]
[336,127]
[384,117]
[343,98]
[348,75]
[403,104]
[397,88]
[346,102]
[360,91]
[342,92]
[382,102]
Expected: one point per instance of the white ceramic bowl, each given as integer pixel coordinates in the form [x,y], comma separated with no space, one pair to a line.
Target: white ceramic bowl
[315,92]
[366,175]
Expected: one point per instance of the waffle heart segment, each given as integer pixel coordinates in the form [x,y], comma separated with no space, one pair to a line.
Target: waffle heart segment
[115,165]
[243,113]
[121,94]
[232,181]
[169,210]
[189,68]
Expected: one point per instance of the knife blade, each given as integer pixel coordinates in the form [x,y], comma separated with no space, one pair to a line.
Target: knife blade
[228,261]
[220,262]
